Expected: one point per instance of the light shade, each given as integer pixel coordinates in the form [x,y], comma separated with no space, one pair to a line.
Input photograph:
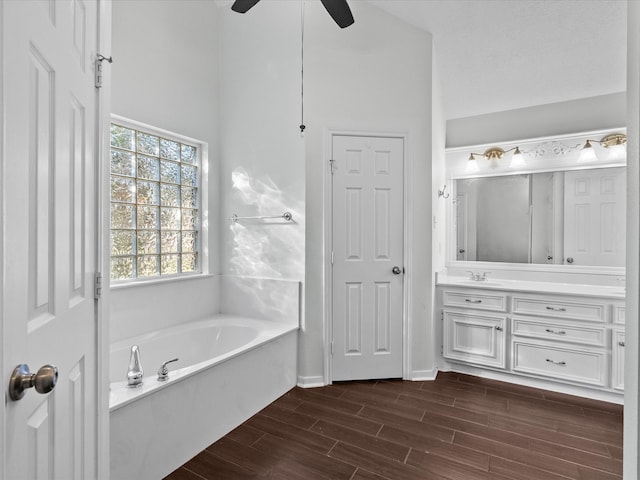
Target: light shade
[517,160]
[472,165]
[617,153]
[587,154]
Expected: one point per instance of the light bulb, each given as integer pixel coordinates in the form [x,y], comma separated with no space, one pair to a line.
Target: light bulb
[517,160]
[472,165]
[617,153]
[587,154]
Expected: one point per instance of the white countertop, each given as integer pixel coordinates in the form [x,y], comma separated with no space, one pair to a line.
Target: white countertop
[605,291]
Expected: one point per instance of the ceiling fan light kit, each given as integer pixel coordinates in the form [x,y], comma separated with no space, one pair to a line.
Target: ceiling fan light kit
[338,9]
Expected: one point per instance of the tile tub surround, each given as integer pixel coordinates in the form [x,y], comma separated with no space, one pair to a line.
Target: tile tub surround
[457,427]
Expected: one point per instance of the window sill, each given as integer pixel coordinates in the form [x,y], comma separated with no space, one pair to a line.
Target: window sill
[120,285]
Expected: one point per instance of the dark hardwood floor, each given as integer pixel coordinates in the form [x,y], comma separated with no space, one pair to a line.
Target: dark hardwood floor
[457,427]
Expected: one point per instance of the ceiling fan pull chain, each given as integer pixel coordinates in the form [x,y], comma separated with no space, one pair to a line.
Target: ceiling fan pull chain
[302,125]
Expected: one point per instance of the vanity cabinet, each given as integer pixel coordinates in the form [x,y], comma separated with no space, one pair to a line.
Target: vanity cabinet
[561,338]
[571,339]
[474,329]
[475,338]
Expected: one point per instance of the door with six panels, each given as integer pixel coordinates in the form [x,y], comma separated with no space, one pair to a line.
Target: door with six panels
[368,253]
[49,236]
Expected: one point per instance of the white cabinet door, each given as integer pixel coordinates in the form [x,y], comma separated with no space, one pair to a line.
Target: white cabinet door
[617,353]
[476,338]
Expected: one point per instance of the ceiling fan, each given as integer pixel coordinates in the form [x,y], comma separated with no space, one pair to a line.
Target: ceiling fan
[338,9]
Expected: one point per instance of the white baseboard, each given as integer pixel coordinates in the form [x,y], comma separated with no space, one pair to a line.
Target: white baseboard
[311,382]
[422,375]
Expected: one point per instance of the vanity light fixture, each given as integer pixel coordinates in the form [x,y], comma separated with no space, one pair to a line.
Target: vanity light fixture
[495,154]
[587,154]
[472,165]
[614,142]
[517,160]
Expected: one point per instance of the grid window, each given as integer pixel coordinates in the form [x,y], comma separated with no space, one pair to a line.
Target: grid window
[154,205]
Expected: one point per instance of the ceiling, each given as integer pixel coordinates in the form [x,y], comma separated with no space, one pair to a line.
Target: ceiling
[495,55]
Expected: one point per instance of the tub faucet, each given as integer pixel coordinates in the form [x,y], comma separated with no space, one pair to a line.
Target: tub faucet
[163,371]
[135,372]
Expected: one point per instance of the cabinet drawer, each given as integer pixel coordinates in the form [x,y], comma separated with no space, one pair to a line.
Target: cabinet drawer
[618,314]
[550,307]
[475,338]
[585,335]
[560,362]
[477,300]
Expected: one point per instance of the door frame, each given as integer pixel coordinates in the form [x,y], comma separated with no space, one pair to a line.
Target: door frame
[327,181]
[3,367]
[103,238]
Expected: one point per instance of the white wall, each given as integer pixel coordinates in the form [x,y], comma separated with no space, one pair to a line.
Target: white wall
[165,74]
[583,115]
[439,204]
[262,152]
[374,77]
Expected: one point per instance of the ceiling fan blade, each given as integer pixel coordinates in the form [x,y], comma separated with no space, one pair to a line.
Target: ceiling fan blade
[243,6]
[339,11]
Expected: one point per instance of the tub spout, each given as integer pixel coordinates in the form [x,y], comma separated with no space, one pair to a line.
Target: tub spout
[135,372]
[163,371]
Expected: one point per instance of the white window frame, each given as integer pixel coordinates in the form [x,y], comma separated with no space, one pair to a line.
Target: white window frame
[203,203]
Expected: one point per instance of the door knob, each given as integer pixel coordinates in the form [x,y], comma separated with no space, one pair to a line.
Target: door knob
[44,380]
[396,270]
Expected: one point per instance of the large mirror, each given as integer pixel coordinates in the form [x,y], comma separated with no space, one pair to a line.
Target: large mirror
[566,217]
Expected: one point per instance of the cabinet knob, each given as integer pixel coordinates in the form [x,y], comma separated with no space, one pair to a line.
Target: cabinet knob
[499,328]
[621,344]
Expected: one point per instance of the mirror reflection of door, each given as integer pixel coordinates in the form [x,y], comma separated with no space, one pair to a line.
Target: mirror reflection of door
[462,246]
[595,210]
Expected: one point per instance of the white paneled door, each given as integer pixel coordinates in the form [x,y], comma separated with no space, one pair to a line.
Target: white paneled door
[49,226]
[368,253]
[594,218]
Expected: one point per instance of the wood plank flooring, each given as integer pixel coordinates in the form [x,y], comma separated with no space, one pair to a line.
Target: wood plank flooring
[457,427]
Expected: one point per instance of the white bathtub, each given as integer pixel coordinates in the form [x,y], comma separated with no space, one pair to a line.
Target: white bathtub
[229,368]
